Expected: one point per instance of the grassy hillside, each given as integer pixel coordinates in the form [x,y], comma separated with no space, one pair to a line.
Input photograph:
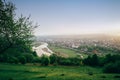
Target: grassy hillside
[27,72]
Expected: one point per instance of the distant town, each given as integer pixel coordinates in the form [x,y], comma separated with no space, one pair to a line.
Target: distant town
[81,40]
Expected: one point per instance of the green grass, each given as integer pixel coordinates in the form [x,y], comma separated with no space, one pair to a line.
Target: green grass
[65,51]
[25,72]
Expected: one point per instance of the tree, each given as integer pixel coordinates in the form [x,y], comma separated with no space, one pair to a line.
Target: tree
[87,61]
[91,61]
[95,60]
[14,32]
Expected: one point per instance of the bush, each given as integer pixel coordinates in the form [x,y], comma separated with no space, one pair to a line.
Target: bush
[112,67]
[117,76]
[36,60]
[13,60]
[75,61]
[87,61]
[45,61]
[103,76]
[90,73]
[34,54]
[108,58]
[101,61]
[70,61]
[62,74]
[53,59]
[91,60]
[95,60]
[65,61]
[3,58]
[29,57]
[22,59]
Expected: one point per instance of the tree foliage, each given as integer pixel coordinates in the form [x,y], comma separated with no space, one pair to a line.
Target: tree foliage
[112,67]
[53,59]
[14,32]
[45,61]
[91,60]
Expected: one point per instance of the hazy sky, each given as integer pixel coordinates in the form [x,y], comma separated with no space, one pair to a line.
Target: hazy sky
[57,17]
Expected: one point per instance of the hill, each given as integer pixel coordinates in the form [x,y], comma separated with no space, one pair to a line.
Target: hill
[29,72]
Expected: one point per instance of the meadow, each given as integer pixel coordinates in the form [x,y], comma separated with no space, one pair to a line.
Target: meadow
[66,52]
[36,72]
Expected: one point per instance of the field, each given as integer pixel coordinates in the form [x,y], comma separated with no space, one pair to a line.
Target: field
[32,72]
[65,51]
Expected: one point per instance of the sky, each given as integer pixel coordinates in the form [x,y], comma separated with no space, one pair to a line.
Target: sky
[69,17]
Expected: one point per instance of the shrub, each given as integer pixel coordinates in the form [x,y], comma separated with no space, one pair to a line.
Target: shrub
[22,59]
[103,76]
[101,61]
[95,60]
[2,58]
[45,61]
[10,79]
[53,59]
[65,61]
[87,61]
[29,57]
[70,61]
[75,61]
[90,73]
[13,60]
[117,76]
[91,60]
[108,58]
[36,60]
[62,74]
[112,67]
[42,76]
[34,54]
